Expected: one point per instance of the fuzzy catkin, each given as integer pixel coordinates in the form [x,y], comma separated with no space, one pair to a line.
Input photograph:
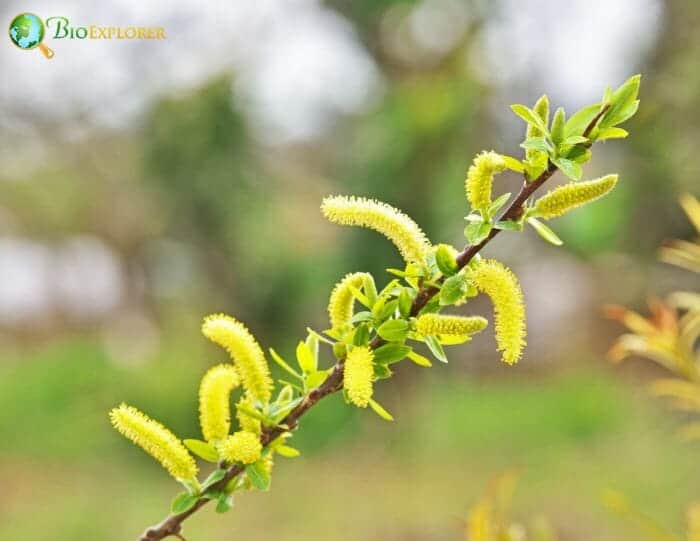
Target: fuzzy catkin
[244,447]
[385,219]
[501,285]
[432,324]
[342,299]
[358,376]
[572,195]
[156,440]
[214,401]
[479,179]
[246,353]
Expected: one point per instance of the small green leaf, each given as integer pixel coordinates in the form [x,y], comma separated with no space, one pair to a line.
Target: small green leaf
[388,310]
[283,364]
[183,502]
[621,102]
[287,451]
[497,204]
[361,297]
[445,260]
[575,140]
[382,371]
[214,477]
[224,503]
[369,288]
[394,330]
[361,336]
[536,143]
[452,289]
[391,353]
[558,123]
[529,116]
[202,449]
[305,358]
[514,164]
[405,301]
[312,344]
[611,133]
[545,232]
[509,225]
[580,120]
[359,317]
[570,168]
[258,475]
[475,232]
[419,359]
[435,348]
[314,379]
[379,410]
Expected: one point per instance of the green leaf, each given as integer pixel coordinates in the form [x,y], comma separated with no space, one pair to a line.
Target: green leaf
[536,143]
[379,410]
[305,358]
[580,120]
[361,336]
[475,232]
[283,364]
[620,101]
[213,478]
[435,348]
[359,317]
[405,302]
[570,168]
[419,359]
[225,503]
[509,225]
[514,164]
[612,133]
[361,297]
[369,288]
[287,451]
[497,204]
[452,289]
[545,232]
[202,449]
[314,379]
[391,353]
[558,123]
[387,310]
[394,330]
[575,140]
[529,116]
[382,371]
[445,260]
[183,502]
[312,344]
[258,475]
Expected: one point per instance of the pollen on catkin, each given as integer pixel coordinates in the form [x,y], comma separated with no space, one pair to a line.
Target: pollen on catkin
[156,440]
[358,376]
[214,401]
[385,219]
[501,285]
[432,324]
[480,179]
[342,299]
[244,447]
[245,421]
[569,196]
[246,353]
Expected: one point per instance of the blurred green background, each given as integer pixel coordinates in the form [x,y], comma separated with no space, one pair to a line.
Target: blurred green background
[145,185]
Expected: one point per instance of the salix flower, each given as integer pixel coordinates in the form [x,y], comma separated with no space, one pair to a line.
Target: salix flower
[480,179]
[244,447]
[432,324]
[214,401]
[385,219]
[574,194]
[501,285]
[245,351]
[359,374]
[156,440]
[342,299]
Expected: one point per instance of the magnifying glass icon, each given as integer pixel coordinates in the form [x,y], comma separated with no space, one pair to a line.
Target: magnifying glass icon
[27,32]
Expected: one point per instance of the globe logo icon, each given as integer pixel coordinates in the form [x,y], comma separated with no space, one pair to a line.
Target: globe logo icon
[27,32]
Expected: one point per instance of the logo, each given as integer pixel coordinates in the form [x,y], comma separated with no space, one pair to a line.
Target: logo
[27,31]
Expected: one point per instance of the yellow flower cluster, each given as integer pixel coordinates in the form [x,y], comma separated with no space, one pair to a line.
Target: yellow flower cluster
[385,219]
[480,179]
[244,447]
[501,285]
[342,299]
[214,401]
[156,440]
[246,353]
[569,196]
[432,324]
[358,376]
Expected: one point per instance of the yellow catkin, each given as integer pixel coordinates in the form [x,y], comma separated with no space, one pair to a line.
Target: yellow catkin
[480,179]
[358,376]
[501,285]
[246,422]
[385,219]
[246,353]
[569,196]
[342,299]
[214,401]
[156,440]
[244,447]
[432,324]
